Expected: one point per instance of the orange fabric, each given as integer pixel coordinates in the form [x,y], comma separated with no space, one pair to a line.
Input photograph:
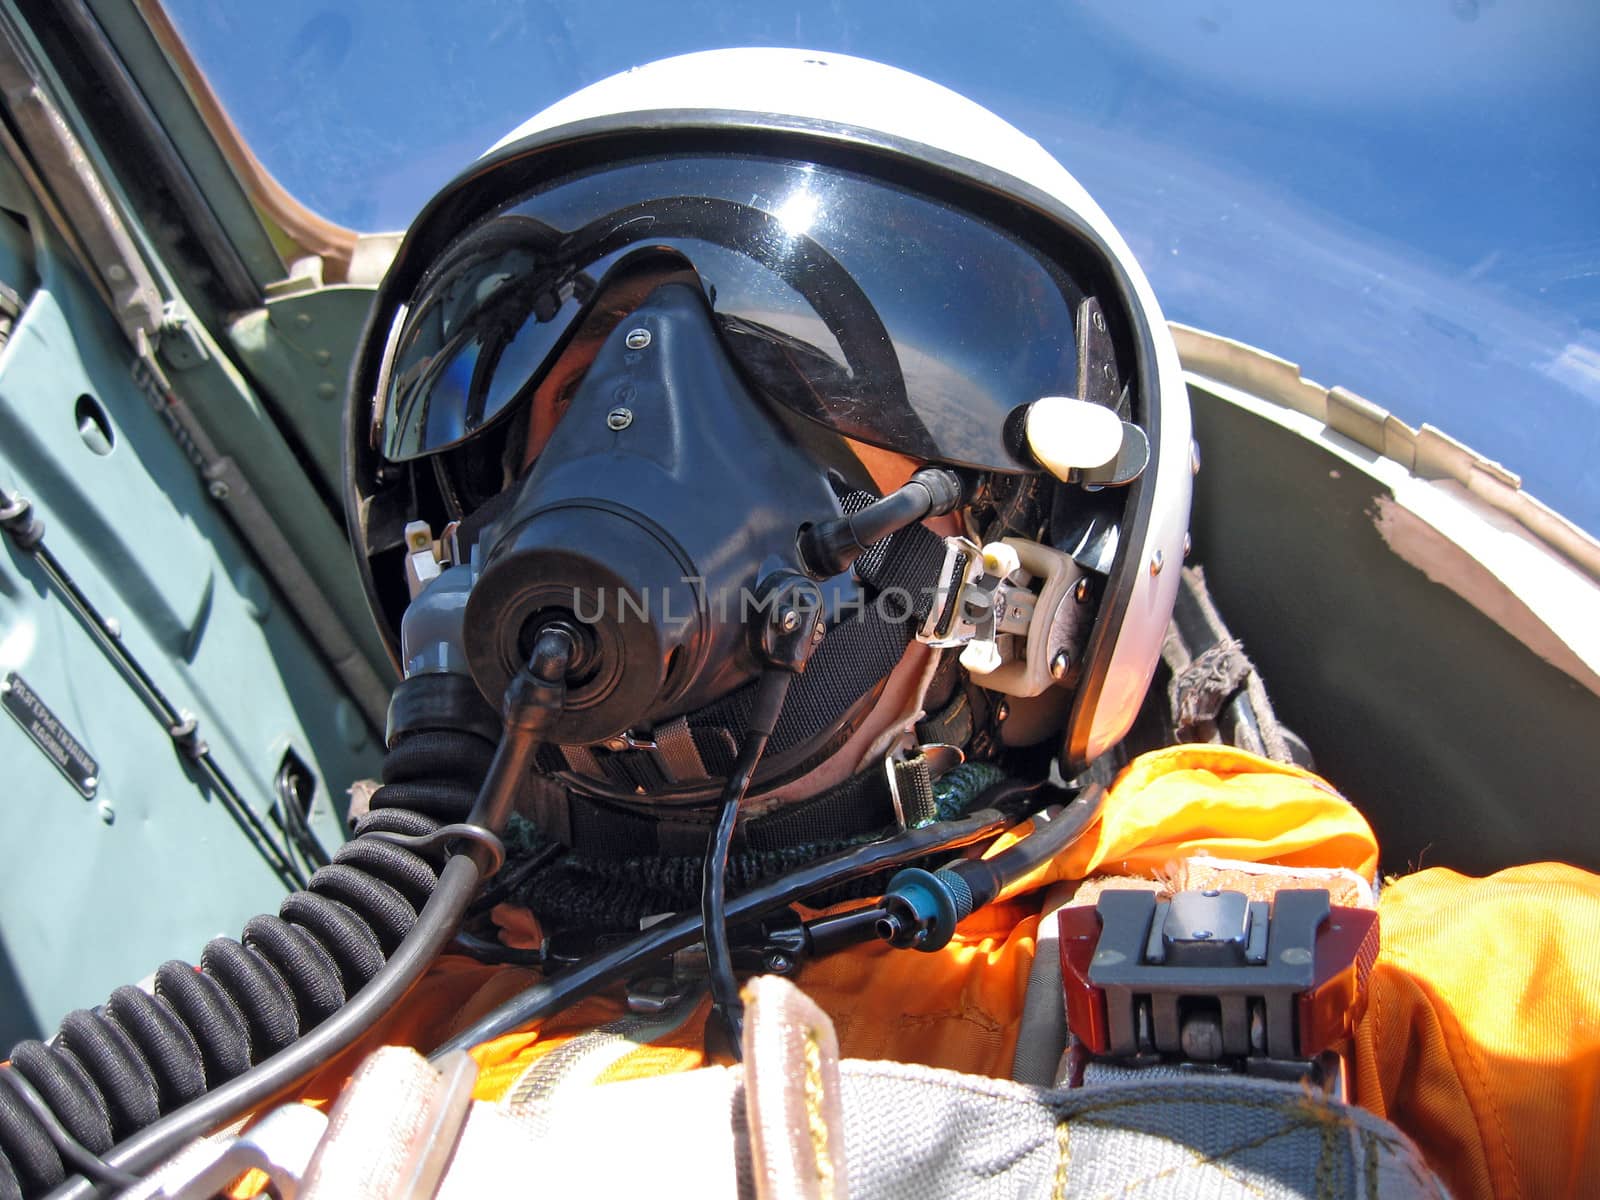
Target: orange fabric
[1481,1038]
[959,1008]
[1482,1033]
[1183,800]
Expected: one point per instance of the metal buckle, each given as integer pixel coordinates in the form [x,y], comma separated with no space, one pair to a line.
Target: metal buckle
[628,740]
[1212,975]
[1018,640]
[280,1146]
[938,758]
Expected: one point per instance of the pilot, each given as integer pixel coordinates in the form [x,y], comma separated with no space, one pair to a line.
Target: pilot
[790,457]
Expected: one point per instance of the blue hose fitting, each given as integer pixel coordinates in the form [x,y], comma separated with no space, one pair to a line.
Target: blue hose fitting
[922,908]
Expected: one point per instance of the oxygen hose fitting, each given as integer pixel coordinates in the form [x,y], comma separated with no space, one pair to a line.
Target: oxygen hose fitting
[921,909]
[830,547]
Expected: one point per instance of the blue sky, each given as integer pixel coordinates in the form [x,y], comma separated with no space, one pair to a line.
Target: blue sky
[1402,197]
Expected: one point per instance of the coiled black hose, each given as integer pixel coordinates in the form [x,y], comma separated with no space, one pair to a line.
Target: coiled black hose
[113,1070]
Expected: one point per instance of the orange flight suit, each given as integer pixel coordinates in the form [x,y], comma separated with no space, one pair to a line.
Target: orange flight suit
[1481,1037]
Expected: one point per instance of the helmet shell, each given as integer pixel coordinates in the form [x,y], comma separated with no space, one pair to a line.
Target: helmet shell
[771,100]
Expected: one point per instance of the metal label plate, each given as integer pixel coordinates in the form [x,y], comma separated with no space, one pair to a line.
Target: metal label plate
[47,732]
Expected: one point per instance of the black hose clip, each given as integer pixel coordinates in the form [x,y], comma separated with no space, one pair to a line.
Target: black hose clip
[441,837]
[792,621]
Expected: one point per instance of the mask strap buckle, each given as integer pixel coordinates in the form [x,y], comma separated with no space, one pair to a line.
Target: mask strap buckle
[911,775]
[1011,606]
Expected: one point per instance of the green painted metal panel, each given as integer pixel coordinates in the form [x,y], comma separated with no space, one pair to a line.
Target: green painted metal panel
[98,892]
[299,349]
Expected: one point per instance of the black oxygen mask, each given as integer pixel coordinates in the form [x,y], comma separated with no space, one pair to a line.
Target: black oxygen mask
[664,496]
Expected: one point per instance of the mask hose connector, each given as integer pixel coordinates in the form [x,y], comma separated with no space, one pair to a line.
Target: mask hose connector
[830,547]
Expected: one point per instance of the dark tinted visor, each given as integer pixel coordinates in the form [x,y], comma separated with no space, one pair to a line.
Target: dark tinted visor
[889,317]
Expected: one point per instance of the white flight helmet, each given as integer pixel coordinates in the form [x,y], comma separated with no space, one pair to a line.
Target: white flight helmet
[1101,421]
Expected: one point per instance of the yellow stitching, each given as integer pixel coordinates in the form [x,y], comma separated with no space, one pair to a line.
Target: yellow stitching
[1063,1159]
[816,1124]
[1325,1163]
[1316,1104]
[1369,1163]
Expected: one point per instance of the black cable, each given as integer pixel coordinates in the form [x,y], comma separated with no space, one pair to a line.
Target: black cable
[513,877]
[300,833]
[765,710]
[276,1077]
[116,1068]
[1049,837]
[495,952]
[72,1151]
[553,995]
[921,909]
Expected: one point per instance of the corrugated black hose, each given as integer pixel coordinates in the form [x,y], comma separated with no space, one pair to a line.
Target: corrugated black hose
[115,1070]
[112,1070]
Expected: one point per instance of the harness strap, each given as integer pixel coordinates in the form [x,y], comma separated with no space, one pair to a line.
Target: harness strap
[796,1121]
[677,752]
